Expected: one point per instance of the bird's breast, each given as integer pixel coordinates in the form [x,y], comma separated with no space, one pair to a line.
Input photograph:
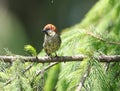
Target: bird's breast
[52,43]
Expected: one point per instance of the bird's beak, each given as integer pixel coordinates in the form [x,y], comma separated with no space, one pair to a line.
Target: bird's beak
[43,30]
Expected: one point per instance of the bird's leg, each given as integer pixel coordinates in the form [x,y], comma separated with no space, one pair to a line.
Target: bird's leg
[37,58]
[56,55]
[49,55]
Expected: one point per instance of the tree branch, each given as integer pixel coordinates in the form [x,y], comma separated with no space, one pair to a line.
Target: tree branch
[42,59]
[101,58]
[112,58]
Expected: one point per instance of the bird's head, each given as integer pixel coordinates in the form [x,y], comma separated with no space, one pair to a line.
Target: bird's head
[50,30]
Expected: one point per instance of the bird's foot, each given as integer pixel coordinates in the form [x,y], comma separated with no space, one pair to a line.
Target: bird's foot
[49,56]
[56,55]
[37,58]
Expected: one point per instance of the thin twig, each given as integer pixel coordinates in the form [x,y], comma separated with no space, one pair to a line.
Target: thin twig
[117,75]
[9,81]
[82,81]
[106,66]
[101,39]
[46,68]
[27,68]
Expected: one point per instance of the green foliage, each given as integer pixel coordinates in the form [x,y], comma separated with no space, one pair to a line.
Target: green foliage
[52,78]
[98,79]
[20,80]
[103,22]
[97,34]
[30,49]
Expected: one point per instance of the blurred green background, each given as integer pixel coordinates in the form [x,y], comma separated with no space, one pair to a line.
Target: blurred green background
[21,21]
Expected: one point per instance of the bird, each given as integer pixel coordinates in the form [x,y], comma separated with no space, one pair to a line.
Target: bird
[52,40]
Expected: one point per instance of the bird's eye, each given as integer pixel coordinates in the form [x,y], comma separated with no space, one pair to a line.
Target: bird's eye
[47,29]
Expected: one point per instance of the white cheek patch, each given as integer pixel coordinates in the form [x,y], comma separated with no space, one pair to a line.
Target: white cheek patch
[51,33]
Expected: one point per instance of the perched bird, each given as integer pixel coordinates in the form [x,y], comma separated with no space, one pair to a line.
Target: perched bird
[52,39]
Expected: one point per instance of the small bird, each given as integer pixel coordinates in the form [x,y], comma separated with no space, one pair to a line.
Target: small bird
[52,40]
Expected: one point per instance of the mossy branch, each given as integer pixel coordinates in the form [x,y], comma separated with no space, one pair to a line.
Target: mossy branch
[101,58]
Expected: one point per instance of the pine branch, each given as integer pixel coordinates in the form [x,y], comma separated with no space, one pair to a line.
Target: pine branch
[42,59]
[9,81]
[46,68]
[82,81]
[27,68]
[37,73]
[117,75]
[101,39]
[101,58]
[111,58]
